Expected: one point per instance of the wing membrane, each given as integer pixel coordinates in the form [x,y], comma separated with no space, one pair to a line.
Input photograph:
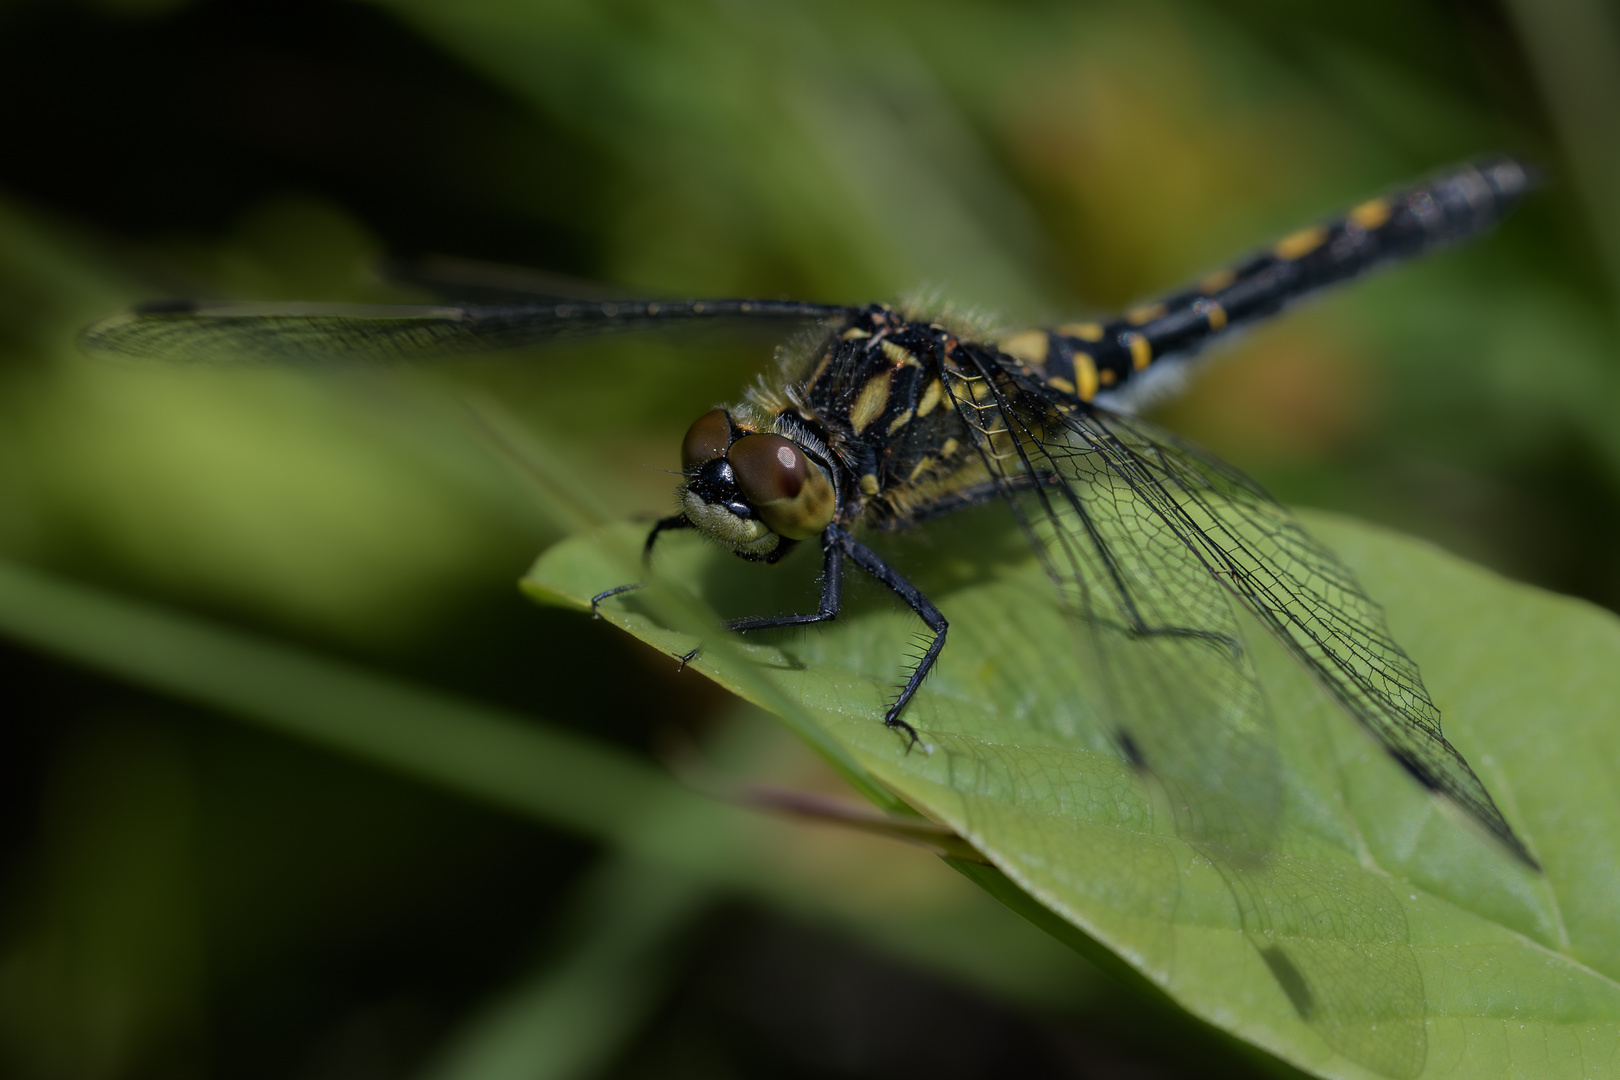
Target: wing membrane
[1150,542]
[1171,535]
[1305,596]
[1158,629]
[188,332]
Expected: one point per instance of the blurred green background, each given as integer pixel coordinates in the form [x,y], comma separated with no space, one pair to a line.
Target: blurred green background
[186,896]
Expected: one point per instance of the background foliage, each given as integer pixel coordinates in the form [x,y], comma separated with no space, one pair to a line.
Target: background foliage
[188,897]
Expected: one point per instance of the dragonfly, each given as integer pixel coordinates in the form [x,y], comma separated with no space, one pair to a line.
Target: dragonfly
[885,417]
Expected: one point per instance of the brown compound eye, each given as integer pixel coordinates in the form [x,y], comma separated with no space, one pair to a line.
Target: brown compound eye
[791,493]
[706,439]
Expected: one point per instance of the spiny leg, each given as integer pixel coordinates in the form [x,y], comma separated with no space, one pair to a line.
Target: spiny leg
[868,560]
[836,544]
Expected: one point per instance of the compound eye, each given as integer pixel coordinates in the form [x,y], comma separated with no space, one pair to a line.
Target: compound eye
[706,439]
[791,493]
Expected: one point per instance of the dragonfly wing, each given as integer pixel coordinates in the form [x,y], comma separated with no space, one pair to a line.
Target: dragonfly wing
[1159,635]
[279,333]
[235,333]
[1153,545]
[1170,533]
[1300,591]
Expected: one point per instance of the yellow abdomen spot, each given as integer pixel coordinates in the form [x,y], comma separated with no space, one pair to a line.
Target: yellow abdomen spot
[1300,244]
[1141,351]
[1085,331]
[1212,312]
[1371,214]
[1085,376]
[1030,346]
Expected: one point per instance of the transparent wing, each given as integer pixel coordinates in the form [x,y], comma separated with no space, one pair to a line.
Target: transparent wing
[1149,539]
[234,333]
[1300,591]
[1159,634]
[1152,544]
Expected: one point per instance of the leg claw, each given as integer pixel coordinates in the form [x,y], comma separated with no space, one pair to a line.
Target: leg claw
[900,725]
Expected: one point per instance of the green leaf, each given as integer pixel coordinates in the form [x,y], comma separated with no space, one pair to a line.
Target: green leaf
[1383,936]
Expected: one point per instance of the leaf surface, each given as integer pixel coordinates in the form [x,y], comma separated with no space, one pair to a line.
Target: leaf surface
[1383,936]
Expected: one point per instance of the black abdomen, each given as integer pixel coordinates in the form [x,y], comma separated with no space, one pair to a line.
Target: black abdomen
[1087,358]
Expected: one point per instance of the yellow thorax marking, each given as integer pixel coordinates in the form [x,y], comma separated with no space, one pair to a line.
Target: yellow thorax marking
[873,399]
[932,393]
[1217,281]
[897,354]
[900,421]
[1145,314]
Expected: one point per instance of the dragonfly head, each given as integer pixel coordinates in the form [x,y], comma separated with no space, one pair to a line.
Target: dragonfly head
[752,490]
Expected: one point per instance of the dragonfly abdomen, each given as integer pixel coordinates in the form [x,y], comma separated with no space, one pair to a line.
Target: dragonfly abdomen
[1085,359]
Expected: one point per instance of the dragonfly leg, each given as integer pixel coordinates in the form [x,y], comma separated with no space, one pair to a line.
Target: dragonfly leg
[832,590]
[868,560]
[832,596]
[608,594]
[674,521]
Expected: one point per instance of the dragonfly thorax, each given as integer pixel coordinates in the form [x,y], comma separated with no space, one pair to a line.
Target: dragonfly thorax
[752,490]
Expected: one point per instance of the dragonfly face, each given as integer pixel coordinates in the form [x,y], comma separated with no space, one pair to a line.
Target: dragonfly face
[754,492]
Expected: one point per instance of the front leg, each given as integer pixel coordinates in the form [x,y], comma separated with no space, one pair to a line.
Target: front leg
[832,597]
[832,590]
[832,586]
[837,544]
[674,521]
